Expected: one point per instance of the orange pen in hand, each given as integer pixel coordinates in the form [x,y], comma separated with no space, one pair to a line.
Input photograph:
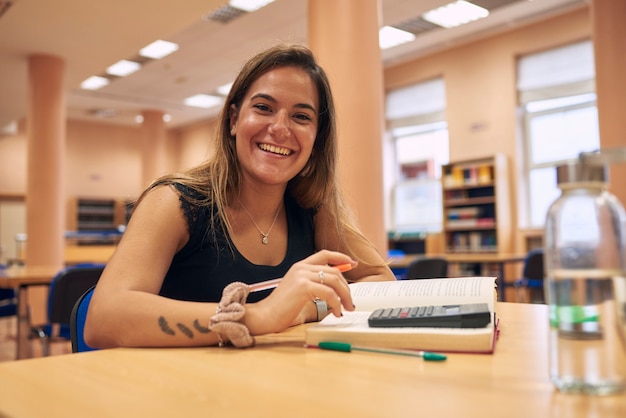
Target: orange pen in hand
[270,284]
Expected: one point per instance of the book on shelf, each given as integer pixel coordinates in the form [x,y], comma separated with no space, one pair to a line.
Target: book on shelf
[353,327]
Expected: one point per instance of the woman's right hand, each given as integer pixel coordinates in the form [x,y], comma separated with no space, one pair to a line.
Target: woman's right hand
[288,304]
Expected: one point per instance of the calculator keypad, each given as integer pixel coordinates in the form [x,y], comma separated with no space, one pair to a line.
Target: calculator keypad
[474,315]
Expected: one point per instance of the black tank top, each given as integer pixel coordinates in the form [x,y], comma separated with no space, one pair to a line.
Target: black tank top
[210,261]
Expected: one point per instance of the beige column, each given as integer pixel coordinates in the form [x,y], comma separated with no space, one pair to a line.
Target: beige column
[45,188]
[343,34]
[154,145]
[609,42]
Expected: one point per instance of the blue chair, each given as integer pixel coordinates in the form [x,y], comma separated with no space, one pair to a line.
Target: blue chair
[532,279]
[399,272]
[8,303]
[8,300]
[77,323]
[65,289]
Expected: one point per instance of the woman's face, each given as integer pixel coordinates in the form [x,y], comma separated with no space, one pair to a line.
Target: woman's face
[275,127]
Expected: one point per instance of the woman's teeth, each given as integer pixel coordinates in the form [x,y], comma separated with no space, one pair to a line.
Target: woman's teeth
[274,149]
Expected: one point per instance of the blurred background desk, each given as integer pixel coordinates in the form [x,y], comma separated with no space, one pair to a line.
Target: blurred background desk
[21,278]
[280,378]
[80,247]
[79,254]
[478,264]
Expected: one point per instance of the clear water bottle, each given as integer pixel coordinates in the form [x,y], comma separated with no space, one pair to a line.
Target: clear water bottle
[585,283]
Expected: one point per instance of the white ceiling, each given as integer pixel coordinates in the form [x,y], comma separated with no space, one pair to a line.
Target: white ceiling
[91,35]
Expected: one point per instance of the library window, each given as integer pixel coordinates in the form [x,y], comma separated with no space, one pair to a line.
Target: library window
[559,121]
[419,144]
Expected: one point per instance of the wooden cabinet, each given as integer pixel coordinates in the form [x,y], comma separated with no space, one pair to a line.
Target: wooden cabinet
[96,214]
[476,206]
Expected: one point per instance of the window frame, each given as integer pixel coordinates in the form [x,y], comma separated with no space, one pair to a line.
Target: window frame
[526,218]
[547,77]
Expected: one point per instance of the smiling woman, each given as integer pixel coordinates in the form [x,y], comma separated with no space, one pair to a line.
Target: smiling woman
[275,126]
[266,205]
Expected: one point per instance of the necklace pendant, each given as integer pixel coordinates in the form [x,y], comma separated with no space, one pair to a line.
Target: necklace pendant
[264,235]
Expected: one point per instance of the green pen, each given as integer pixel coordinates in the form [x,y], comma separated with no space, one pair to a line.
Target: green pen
[347,347]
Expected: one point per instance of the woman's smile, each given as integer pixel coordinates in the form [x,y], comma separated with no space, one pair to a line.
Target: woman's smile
[274,149]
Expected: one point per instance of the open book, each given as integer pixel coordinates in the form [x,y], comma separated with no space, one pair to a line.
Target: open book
[369,296]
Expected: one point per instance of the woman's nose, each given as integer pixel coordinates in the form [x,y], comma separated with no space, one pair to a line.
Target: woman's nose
[280,125]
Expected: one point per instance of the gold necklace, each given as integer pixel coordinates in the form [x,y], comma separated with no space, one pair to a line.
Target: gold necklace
[264,235]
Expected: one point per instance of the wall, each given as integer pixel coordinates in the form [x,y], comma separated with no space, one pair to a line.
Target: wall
[481,93]
[13,163]
[102,160]
[195,143]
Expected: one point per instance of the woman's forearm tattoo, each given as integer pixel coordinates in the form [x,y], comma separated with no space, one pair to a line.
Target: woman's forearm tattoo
[200,328]
[182,327]
[165,327]
[185,330]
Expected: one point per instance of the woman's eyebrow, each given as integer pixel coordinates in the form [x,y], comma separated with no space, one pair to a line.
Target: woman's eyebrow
[273,100]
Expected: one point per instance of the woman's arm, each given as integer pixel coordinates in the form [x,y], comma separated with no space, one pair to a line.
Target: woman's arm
[126,309]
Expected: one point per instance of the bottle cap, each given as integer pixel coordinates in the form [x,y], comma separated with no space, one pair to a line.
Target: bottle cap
[576,171]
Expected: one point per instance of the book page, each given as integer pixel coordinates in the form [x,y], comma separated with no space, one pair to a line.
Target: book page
[368,296]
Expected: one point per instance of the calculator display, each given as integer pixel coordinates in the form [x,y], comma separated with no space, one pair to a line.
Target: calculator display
[452,310]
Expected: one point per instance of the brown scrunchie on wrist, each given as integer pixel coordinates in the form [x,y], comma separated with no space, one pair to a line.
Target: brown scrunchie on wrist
[229,312]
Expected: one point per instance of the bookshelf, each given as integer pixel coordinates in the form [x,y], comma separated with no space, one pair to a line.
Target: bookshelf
[476,206]
[100,216]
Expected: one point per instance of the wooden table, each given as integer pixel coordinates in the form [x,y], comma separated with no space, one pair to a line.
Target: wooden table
[20,278]
[280,378]
[77,254]
[501,259]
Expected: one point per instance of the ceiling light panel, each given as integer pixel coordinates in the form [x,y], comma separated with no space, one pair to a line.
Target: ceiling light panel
[94,82]
[455,14]
[224,89]
[158,49]
[388,37]
[249,5]
[123,68]
[204,101]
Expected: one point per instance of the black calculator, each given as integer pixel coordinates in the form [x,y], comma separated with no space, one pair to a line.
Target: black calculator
[470,315]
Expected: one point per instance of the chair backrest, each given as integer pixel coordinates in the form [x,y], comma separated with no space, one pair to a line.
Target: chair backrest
[77,322]
[427,268]
[8,298]
[67,287]
[8,302]
[533,265]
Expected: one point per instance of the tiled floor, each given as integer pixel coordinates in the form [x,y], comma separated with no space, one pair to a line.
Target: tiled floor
[7,342]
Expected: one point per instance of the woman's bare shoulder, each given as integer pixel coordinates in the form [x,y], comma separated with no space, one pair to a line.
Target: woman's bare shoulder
[159,203]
